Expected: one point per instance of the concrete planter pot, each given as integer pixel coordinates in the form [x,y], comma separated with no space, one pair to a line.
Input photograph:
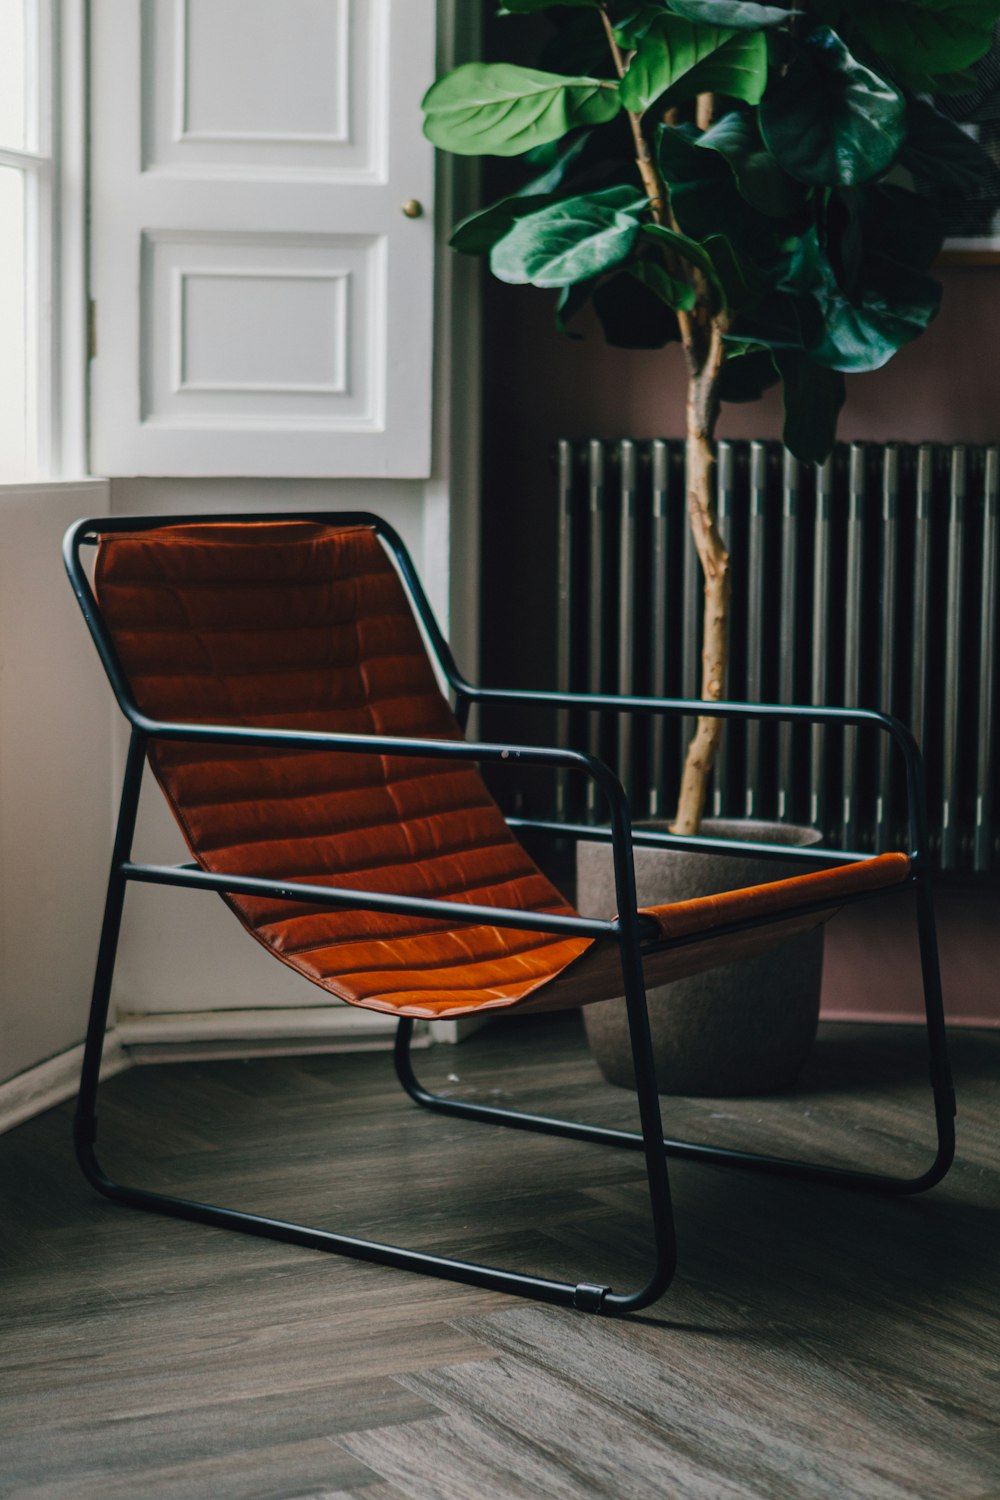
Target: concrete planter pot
[743,1028]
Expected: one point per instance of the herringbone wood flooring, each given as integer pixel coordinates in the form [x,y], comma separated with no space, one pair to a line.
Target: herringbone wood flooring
[815,1345]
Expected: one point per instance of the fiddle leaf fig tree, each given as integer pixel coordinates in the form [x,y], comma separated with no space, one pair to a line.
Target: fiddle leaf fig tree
[759,184]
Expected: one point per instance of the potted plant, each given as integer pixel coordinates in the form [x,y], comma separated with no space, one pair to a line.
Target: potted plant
[762,186]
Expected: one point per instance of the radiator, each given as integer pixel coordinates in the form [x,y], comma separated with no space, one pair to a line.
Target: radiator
[871,581]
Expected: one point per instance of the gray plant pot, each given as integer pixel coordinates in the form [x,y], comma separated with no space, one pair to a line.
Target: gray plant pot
[742,1028]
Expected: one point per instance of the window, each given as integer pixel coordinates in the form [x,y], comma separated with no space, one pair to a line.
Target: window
[27,259]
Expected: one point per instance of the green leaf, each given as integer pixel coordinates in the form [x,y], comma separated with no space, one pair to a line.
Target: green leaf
[841,234]
[677,294]
[780,320]
[687,249]
[705,199]
[924,36]
[668,51]
[905,226]
[677,59]
[632,316]
[813,397]
[860,226]
[570,301]
[499,109]
[556,159]
[747,372]
[892,304]
[479,232]
[738,70]
[898,305]
[740,280]
[941,155]
[570,241]
[830,120]
[760,179]
[681,162]
[632,27]
[741,15]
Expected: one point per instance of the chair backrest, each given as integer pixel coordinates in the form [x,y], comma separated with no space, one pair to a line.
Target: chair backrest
[302,625]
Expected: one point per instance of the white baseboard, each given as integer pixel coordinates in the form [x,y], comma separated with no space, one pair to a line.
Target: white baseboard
[450,1032]
[274,1033]
[204,1036]
[53,1081]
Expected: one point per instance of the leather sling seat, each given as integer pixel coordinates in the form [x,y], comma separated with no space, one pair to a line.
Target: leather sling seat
[306,626]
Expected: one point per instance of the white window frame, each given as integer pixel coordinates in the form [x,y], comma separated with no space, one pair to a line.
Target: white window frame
[53,164]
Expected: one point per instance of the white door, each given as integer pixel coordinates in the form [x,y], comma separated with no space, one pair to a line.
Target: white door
[263,304]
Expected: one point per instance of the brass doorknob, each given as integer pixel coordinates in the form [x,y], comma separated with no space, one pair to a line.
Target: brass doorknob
[413,208]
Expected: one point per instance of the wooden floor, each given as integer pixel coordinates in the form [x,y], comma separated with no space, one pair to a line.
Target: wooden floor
[815,1344]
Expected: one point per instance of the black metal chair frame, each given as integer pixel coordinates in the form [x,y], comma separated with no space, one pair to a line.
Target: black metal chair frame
[627,930]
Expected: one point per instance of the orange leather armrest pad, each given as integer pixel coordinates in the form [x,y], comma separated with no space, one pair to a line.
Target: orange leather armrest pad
[682,918]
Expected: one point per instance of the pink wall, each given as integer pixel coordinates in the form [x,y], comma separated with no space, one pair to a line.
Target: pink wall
[945,387]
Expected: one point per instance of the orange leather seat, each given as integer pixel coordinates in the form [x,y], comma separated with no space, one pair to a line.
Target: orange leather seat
[313,631]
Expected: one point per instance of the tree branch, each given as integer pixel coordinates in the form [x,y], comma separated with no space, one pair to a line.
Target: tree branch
[655,186]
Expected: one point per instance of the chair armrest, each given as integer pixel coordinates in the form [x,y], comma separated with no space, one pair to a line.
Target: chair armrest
[144,727]
[898,732]
[372,744]
[460,912]
[716,709]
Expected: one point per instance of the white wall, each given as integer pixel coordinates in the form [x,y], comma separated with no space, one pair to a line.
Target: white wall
[55,780]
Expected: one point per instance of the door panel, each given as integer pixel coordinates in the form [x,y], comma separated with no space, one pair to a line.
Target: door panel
[263,305]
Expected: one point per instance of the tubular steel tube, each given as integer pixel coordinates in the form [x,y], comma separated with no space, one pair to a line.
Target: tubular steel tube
[887,655]
[564,617]
[852,647]
[597,596]
[755,620]
[950,848]
[989,602]
[818,811]
[921,616]
[324,895]
[108,945]
[627,542]
[789,610]
[659,594]
[563,1293]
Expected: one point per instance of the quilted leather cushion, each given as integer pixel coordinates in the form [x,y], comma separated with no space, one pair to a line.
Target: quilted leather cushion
[296,625]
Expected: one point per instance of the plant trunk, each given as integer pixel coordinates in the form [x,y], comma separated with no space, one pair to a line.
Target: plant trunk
[702,410]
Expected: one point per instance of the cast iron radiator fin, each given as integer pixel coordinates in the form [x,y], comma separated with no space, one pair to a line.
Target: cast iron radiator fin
[869,581]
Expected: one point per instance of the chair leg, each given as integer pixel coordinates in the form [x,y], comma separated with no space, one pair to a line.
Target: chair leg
[657,1178]
[584,1296]
[937,1040]
[873,1182]
[85,1121]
